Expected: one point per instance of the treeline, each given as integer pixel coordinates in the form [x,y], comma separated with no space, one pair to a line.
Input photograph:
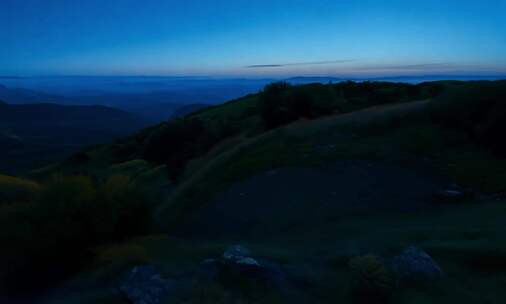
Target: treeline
[282,103]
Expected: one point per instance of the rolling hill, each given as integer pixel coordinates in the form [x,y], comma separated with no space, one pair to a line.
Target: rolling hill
[34,134]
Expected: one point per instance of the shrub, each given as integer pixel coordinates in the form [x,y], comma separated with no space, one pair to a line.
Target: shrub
[181,140]
[79,158]
[372,281]
[53,235]
[126,204]
[478,109]
[46,238]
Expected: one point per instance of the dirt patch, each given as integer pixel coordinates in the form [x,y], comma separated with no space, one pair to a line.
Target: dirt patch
[299,197]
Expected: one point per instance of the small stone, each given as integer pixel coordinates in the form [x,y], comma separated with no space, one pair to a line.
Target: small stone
[237,259]
[144,285]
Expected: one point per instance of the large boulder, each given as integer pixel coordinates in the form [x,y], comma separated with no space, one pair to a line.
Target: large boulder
[415,266]
[145,285]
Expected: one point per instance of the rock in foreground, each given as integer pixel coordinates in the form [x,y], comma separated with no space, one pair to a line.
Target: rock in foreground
[144,285]
[415,266]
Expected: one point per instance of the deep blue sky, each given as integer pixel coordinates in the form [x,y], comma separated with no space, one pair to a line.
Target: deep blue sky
[223,38]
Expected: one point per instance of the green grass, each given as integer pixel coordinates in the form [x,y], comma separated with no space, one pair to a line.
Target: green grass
[234,109]
[242,114]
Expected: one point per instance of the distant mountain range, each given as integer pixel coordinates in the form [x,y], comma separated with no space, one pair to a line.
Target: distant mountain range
[154,106]
[19,95]
[406,79]
[55,113]
[157,98]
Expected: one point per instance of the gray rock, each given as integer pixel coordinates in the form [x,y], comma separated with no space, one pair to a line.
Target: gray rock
[415,266]
[248,262]
[453,194]
[237,262]
[236,252]
[144,285]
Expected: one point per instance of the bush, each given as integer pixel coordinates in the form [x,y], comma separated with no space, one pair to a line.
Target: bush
[181,140]
[55,234]
[479,110]
[79,158]
[127,205]
[372,281]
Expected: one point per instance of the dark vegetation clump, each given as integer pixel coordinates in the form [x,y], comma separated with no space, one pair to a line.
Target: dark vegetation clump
[129,148]
[479,110]
[360,95]
[181,140]
[372,280]
[54,234]
[79,158]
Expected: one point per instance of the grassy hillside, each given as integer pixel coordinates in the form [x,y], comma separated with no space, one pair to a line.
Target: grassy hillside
[375,155]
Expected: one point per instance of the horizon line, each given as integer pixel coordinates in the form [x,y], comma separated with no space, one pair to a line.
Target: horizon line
[255,76]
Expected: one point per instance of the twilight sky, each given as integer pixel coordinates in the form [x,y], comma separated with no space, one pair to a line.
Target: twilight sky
[252,38]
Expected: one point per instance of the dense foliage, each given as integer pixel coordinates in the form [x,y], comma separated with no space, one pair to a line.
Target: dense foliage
[180,140]
[53,234]
[479,109]
[366,94]
[282,103]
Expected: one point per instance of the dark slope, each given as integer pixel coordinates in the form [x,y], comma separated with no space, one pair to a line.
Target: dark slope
[33,134]
[189,109]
